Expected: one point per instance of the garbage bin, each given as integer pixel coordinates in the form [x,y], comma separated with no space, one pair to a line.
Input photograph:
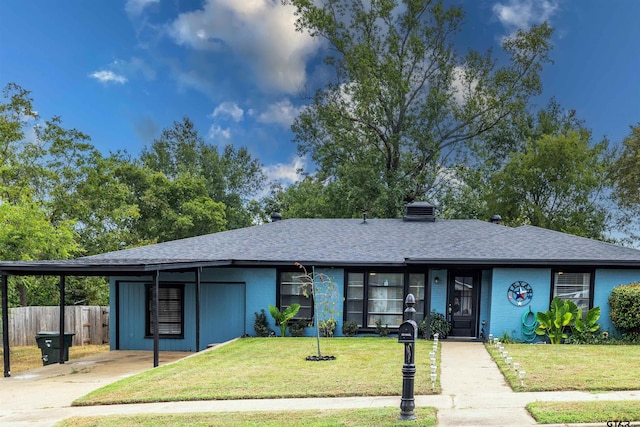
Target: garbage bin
[50,346]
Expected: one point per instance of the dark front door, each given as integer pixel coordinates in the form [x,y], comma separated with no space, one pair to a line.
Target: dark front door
[463,295]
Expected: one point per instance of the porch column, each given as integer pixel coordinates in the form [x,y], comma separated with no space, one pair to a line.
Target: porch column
[5,326]
[156,303]
[62,338]
[427,301]
[198,270]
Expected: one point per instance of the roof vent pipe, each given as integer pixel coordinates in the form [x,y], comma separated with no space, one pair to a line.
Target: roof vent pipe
[496,219]
[275,216]
[364,217]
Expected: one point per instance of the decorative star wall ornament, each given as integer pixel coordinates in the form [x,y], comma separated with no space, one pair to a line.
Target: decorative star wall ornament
[520,293]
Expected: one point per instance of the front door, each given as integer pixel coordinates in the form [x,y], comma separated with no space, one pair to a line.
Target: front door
[463,293]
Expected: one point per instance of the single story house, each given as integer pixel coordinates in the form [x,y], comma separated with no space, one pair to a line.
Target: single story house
[484,276]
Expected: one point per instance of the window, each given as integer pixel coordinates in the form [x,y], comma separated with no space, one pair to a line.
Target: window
[292,291]
[373,296]
[170,311]
[573,286]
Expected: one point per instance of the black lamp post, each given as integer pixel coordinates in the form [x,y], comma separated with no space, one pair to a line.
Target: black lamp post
[407,334]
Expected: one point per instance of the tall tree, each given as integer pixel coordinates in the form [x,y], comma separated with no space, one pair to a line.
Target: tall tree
[231,176]
[627,169]
[558,183]
[403,101]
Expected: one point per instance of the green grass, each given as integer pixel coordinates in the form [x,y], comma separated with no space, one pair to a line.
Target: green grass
[256,368]
[585,412]
[24,358]
[572,367]
[383,417]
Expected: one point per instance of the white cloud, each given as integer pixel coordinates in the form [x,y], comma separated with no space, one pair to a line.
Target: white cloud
[286,172]
[216,131]
[106,76]
[230,109]
[522,14]
[259,31]
[135,7]
[282,112]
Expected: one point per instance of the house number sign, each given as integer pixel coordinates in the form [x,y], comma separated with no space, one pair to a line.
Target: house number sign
[520,293]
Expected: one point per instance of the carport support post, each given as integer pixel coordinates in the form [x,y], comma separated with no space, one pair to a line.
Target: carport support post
[156,303]
[62,340]
[5,326]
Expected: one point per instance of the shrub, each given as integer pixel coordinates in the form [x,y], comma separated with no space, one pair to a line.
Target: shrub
[624,304]
[327,327]
[554,322]
[261,325]
[383,331]
[296,328]
[439,325]
[283,318]
[350,328]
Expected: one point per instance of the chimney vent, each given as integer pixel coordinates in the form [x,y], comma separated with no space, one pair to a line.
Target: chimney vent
[275,216]
[496,219]
[420,211]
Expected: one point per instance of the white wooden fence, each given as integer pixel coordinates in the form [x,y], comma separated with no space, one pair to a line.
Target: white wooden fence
[89,323]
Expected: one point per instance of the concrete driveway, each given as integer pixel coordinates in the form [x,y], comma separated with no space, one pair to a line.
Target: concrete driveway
[56,386]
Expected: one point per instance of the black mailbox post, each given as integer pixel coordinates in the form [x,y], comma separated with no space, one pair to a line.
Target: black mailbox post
[407,334]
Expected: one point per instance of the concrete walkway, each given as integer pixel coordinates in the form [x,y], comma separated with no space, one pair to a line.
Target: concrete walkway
[474,392]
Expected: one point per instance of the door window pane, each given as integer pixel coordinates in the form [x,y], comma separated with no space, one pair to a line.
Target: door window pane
[463,296]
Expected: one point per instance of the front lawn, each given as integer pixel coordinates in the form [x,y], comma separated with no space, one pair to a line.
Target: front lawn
[586,412]
[572,367]
[257,368]
[382,417]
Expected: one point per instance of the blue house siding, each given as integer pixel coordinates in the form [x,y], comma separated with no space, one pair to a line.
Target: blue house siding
[506,318]
[131,316]
[605,281]
[485,302]
[260,291]
[439,291]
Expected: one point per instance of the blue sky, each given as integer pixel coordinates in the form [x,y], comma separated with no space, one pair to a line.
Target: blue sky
[121,71]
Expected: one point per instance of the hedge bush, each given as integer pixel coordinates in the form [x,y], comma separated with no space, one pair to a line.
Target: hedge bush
[624,305]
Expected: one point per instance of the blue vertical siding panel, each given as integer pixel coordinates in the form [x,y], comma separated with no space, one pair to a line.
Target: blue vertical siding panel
[132,316]
[506,318]
[485,301]
[605,281]
[260,289]
[439,291]
[222,315]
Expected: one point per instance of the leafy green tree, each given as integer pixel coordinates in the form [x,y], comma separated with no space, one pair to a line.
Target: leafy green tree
[231,176]
[403,101]
[625,172]
[310,198]
[627,169]
[556,183]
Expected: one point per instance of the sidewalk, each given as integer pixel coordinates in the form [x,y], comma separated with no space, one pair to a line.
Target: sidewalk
[474,392]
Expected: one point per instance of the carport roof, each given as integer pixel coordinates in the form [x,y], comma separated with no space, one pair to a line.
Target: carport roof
[352,242]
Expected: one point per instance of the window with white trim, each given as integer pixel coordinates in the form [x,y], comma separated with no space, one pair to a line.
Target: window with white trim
[574,286]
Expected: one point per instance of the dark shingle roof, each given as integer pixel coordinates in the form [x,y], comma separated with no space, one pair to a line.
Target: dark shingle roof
[380,241]
[350,242]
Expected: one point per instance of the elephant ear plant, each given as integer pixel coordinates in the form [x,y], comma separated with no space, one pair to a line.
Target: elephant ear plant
[283,318]
[554,322]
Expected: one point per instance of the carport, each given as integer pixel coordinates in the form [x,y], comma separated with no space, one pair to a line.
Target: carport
[150,270]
